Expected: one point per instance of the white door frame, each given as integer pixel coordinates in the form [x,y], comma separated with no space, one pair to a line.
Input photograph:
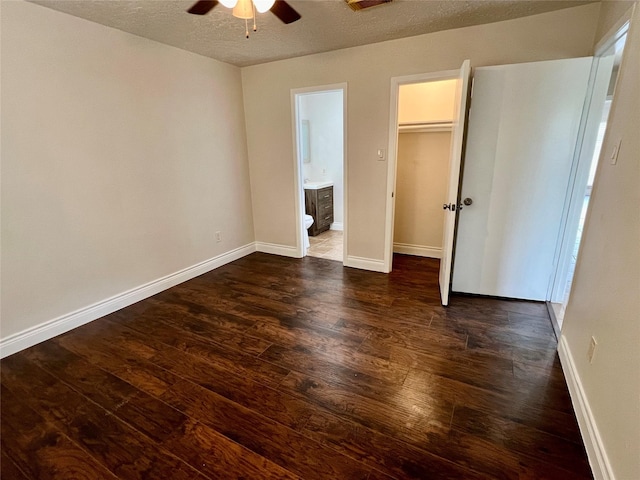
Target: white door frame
[583,155]
[298,180]
[392,155]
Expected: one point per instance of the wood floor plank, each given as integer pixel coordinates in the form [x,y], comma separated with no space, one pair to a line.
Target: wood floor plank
[518,438]
[238,388]
[136,370]
[389,395]
[290,333]
[243,391]
[481,454]
[274,305]
[33,448]
[353,365]
[217,456]
[222,356]
[217,331]
[120,448]
[522,409]
[466,451]
[140,332]
[187,303]
[270,439]
[410,420]
[382,452]
[273,367]
[377,475]
[196,444]
[491,372]
[145,413]
[8,469]
[489,305]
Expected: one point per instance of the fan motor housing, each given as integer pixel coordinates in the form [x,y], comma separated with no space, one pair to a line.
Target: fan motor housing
[357,5]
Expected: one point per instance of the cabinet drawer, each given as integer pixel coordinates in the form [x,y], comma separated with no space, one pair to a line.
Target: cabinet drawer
[325,219]
[325,209]
[325,196]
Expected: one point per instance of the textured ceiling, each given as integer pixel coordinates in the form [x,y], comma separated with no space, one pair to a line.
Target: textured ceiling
[325,25]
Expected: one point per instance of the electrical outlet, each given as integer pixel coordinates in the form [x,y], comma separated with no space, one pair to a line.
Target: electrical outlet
[592,349]
[218,237]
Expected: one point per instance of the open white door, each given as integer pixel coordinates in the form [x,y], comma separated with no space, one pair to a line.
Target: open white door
[451,207]
[523,127]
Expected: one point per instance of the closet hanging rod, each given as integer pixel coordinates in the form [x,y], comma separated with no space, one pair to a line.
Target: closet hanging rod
[425,126]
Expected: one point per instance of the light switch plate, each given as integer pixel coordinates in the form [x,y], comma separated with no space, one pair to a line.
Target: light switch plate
[615,151]
[592,349]
[381,154]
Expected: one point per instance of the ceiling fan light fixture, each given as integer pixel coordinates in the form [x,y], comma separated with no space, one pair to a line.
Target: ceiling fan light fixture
[228,3]
[246,9]
[243,10]
[263,5]
[357,5]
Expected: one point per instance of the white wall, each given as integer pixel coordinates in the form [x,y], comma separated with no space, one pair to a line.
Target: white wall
[326,131]
[421,189]
[610,13]
[121,157]
[427,102]
[605,296]
[368,70]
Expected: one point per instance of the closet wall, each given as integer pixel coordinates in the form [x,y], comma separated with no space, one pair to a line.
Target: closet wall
[425,113]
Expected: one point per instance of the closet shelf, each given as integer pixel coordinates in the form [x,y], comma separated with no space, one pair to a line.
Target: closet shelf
[419,127]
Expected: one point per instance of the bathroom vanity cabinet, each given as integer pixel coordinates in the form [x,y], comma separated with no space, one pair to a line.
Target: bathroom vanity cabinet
[319,204]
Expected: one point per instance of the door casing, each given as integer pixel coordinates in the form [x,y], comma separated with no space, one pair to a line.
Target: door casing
[392,156]
[298,180]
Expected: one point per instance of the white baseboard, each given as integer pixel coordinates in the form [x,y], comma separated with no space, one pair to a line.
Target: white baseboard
[364,263]
[552,309]
[418,250]
[275,249]
[337,226]
[598,458]
[51,328]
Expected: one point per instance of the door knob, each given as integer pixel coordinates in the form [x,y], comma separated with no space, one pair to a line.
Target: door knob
[467,201]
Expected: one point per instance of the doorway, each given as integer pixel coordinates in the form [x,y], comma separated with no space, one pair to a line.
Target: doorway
[425,122]
[461,79]
[319,115]
[604,76]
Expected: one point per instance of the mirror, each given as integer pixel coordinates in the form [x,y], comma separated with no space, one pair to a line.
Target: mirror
[305,150]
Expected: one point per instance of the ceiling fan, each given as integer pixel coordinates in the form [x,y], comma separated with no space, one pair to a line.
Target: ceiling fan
[245,8]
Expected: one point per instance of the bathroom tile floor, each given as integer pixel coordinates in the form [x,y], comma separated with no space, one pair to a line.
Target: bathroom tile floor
[326,245]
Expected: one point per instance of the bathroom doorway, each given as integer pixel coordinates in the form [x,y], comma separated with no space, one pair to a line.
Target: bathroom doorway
[319,115]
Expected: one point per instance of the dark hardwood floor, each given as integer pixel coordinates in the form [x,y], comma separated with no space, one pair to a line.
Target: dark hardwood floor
[272,367]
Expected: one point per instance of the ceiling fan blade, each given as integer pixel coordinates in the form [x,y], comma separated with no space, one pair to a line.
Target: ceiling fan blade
[284,12]
[202,7]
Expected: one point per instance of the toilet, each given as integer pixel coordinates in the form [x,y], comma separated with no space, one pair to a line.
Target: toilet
[308,221]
